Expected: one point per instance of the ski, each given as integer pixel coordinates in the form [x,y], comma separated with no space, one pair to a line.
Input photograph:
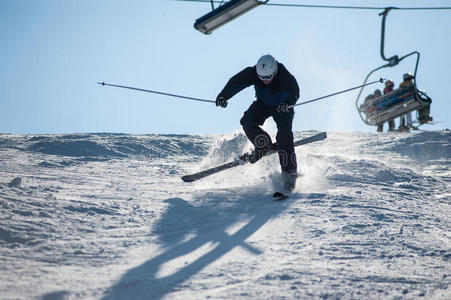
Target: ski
[238,161]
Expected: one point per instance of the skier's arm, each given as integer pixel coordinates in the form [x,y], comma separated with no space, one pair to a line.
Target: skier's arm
[293,95]
[290,86]
[238,83]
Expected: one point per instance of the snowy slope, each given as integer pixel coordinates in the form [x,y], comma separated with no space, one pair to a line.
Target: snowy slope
[106,216]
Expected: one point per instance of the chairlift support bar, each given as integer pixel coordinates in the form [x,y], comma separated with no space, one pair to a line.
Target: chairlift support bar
[394,60]
[224,14]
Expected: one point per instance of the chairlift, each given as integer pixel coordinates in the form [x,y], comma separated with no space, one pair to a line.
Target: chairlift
[224,13]
[383,108]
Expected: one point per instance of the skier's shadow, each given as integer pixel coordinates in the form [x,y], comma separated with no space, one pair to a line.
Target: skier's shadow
[206,223]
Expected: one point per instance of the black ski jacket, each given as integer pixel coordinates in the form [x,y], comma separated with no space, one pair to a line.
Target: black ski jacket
[282,89]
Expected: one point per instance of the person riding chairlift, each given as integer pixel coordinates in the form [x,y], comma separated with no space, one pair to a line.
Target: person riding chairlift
[407,80]
[389,86]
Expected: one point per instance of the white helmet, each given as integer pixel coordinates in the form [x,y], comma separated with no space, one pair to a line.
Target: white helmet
[266,67]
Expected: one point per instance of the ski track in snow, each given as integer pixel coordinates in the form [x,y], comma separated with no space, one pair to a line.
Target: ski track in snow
[106,216]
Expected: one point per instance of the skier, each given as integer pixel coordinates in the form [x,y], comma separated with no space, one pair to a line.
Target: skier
[276,90]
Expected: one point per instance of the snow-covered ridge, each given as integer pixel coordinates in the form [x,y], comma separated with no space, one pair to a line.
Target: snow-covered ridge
[108,145]
[106,216]
[428,145]
[421,146]
[76,148]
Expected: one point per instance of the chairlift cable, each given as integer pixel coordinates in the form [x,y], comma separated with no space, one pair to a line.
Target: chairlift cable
[332,6]
[353,7]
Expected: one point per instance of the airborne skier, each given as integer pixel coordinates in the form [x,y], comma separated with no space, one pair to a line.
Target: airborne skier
[276,90]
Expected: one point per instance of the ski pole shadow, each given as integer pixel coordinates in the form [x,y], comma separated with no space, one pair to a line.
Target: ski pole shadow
[185,228]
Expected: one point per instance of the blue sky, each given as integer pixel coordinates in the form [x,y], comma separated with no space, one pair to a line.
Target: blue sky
[53,52]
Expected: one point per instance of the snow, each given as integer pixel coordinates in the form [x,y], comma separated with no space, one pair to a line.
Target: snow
[106,216]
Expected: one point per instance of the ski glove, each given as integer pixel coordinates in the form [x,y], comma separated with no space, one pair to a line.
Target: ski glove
[283,108]
[221,101]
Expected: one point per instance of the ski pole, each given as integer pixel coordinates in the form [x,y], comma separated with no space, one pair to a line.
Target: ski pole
[340,92]
[155,92]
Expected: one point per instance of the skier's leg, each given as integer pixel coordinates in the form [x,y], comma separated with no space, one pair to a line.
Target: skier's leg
[409,120]
[287,155]
[253,118]
[391,125]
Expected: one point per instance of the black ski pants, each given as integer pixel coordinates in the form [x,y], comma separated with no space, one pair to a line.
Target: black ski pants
[256,116]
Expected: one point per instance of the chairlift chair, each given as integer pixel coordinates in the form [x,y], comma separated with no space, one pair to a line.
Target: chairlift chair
[397,102]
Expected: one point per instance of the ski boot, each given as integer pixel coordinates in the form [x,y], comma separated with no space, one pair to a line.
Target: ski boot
[289,180]
[258,153]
